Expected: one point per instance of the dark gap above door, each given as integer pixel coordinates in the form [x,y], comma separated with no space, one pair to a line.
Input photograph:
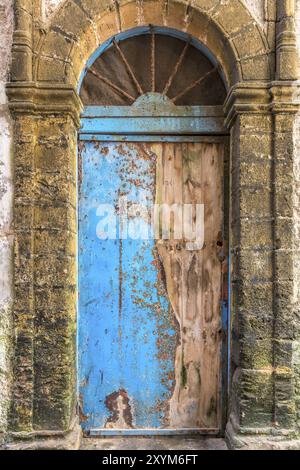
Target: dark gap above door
[152,63]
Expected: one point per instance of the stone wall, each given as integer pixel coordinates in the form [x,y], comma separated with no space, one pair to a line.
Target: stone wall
[262,10]
[257,8]
[297,215]
[297,246]
[6,189]
[49,7]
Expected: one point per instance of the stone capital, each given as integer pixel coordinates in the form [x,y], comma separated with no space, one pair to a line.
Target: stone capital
[35,98]
[246,98]
[262,98]
[285,97]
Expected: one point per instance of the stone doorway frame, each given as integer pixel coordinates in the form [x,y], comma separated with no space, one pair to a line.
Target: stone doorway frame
[260,111]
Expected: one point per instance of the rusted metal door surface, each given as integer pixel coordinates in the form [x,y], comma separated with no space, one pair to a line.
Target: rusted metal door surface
[149,309]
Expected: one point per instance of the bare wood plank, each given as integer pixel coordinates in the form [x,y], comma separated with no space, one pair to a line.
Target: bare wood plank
[194,283]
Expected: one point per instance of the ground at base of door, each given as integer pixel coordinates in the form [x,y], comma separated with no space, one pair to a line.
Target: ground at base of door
[153,443]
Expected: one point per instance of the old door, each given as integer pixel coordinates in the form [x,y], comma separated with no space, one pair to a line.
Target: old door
[150,329]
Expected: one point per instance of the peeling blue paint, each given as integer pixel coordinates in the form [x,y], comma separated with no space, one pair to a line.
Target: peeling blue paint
[124,313]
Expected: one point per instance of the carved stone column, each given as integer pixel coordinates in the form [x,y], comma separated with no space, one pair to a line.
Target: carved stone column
[266,327]
[21,69]
[44,388]
[286,46]
[251,394]
[286,312]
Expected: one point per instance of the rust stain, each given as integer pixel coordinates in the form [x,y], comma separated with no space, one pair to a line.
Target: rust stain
[80,150]
[119,407]
[82,416]
[120,291]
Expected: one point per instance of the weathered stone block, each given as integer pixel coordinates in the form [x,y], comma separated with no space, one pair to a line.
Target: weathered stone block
[256,174]
[55,218]
[23,298]
[94,8]
[25,187]
[150,11]
[256,298]
[255,234]
[255,146]
[23,271]
[256,398]
[255,124]
[51,69]
[255,326]
[24,327]
[256,68]
[283,355]
[255,353]
[249,48]
[57,45]
[255,203]
[53,405]
[232,17]
[284,123]
[284,148]
[206,5]
[284,231]
[54,162]
[24,157]
[55,242]
[284,393]
[23,217]
[21,65]
[288,64]
[57,271]
[25,5]
[284,264]
[56,299]
[54,351]
[286,321]
[72,21]
[284,203]
[256,265]
[21,410]
[55,156]
[54,188]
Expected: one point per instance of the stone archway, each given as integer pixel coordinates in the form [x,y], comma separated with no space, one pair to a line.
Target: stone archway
[78,28]
[46,109]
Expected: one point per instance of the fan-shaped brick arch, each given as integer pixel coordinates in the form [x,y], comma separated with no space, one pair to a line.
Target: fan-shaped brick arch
[226,28]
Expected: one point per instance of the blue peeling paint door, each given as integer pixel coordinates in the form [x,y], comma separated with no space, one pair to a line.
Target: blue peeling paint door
[149,346]
[125,318]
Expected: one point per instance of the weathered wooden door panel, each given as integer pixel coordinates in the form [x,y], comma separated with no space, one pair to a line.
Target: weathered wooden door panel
[149,310]
[192,174]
